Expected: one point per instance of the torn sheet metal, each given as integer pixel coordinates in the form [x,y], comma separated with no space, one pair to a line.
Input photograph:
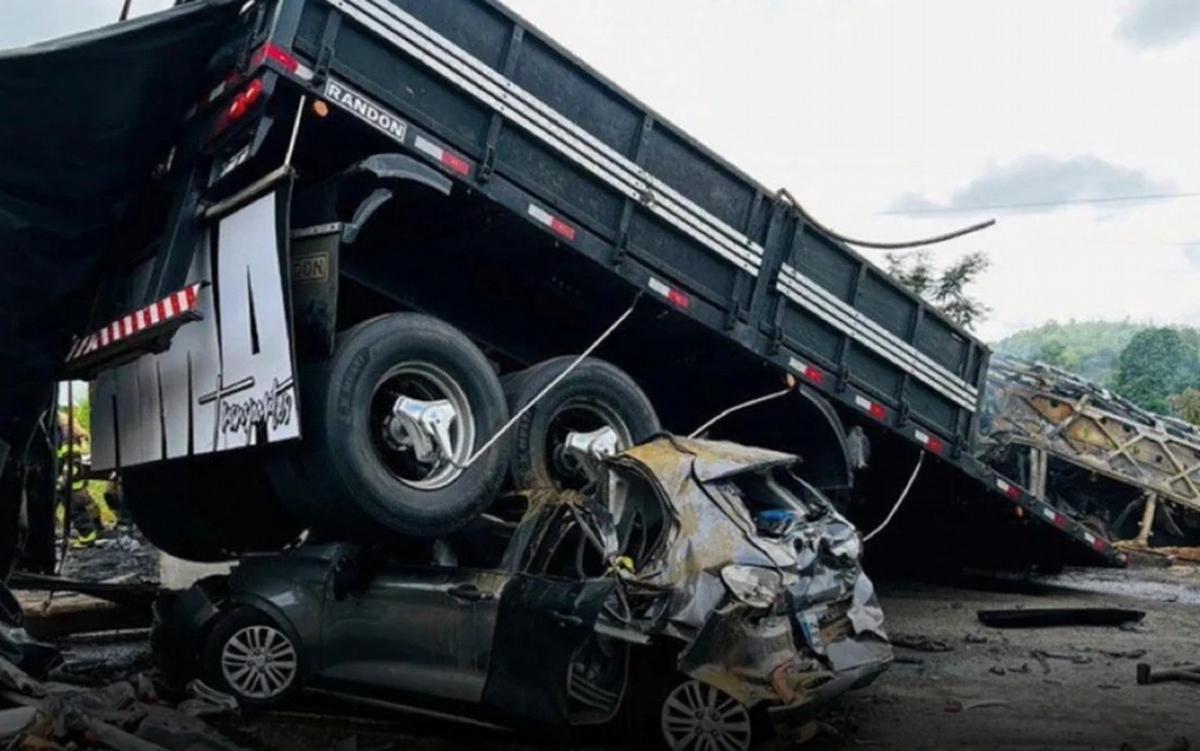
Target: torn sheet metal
[722,549]
[1033,405]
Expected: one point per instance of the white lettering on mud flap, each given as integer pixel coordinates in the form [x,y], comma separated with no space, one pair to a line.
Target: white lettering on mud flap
[365,109]
[227,381]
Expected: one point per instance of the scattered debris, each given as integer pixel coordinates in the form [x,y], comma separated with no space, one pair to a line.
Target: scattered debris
[975,639]
[1117,654]
[920,643]
[16,646]
[1147,675]
[1050,617]
[1041,655]
[1177,744]
[955,706]
[117,716]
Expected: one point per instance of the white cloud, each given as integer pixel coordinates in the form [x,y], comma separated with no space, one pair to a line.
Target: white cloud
[1042,183]
[1159,23]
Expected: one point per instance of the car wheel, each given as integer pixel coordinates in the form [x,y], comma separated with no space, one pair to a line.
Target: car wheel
[249,656]
[596,396]
[389,423]
[695,716]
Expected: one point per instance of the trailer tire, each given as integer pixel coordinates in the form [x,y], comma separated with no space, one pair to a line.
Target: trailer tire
[352,476]
[595,394]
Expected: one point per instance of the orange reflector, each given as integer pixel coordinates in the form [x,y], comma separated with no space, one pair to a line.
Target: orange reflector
[320,109]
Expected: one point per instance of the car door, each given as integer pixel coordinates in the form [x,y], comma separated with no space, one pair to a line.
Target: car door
[422,630]
[543,622]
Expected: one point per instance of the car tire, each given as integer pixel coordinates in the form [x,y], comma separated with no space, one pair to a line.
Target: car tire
[249,656]
[350,477]
[594,395]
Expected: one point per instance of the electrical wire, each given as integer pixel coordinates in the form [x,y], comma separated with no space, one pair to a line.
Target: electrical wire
[784,195]
[738,408]
[1041,204]
[549,386]
[904,494]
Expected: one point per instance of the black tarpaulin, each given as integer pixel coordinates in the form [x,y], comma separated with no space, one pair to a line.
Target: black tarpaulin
[83,120]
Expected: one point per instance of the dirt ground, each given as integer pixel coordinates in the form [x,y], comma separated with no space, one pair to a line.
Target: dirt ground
[987,688]
[1055,688]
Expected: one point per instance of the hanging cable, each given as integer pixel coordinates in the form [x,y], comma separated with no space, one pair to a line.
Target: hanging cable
[549,386]
[784,195]
[738,408]
[904,494]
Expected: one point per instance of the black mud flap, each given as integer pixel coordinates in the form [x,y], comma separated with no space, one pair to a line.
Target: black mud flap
[542,623]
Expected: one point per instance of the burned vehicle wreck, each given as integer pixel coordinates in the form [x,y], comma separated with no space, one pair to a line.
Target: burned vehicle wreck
[697,593]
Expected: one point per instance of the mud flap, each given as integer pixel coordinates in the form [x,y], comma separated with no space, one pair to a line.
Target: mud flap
[541,624]
[228,380]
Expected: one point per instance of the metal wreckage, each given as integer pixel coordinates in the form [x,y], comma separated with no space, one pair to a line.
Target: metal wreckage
[697,589]
[1094,454]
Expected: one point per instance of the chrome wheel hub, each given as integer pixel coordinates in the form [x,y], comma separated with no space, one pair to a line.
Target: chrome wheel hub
[696,716]
[259,662]
[422,426]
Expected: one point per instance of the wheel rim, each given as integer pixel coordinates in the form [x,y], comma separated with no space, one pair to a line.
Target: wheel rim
[396,446]
[259,662]
[579,416]
[698,717]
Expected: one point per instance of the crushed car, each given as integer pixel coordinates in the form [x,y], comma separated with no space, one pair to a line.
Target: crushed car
[697,592]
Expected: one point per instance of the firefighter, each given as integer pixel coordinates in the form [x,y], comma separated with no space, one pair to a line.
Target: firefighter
[90,512]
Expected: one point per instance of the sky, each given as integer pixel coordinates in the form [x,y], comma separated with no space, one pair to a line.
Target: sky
[899,119]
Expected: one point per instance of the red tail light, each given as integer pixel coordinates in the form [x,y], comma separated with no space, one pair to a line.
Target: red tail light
[245,101]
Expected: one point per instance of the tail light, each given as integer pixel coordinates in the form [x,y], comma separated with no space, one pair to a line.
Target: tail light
[244,101]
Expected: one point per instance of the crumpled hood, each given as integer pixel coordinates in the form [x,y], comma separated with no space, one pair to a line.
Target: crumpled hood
[719,546]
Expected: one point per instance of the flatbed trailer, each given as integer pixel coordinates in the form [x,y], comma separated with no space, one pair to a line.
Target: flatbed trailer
[550,201]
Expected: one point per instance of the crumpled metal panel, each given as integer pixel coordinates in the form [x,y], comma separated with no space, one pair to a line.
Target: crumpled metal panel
[1050,409]
[753,570]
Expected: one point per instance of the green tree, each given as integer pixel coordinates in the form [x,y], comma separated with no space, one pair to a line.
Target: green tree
[945,289]
[1053,352]
[1154,365]
[1187,405]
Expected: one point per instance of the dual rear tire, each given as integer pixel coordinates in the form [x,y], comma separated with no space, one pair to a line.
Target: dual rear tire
[367,468]
[392,423]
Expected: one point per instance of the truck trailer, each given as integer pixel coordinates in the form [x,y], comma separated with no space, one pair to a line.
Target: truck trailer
[353,295]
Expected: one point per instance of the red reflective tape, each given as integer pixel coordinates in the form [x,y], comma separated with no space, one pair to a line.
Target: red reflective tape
[562,229]
[463,167]
[679,299]
[1060,520]
[1010,490]
[931,442]
[192,291]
